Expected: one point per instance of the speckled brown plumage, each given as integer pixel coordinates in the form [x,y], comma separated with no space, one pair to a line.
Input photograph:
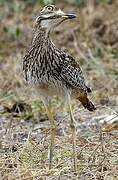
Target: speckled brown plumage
[53,72]
[46,66]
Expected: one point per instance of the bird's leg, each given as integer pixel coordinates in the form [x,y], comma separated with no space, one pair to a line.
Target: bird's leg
[53,129]
[72,126]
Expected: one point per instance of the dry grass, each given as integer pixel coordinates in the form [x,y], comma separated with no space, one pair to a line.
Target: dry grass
[24,127]
[24,154]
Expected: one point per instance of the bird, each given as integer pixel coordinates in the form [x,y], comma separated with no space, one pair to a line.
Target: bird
[53,72]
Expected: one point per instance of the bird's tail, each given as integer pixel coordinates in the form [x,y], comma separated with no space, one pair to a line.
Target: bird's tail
[86,102]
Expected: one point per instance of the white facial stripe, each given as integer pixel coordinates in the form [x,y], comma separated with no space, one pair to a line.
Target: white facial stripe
[48,15]
[60,12]
[49,23]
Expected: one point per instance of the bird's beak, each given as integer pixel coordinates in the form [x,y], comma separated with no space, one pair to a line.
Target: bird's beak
[69,16]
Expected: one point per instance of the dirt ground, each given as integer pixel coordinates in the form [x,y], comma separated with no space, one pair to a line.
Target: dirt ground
[92,38]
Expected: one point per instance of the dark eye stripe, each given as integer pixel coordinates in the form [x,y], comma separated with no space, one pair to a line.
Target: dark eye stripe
[53,17]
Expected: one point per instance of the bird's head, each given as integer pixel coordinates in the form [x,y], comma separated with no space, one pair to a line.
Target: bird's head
[50,17]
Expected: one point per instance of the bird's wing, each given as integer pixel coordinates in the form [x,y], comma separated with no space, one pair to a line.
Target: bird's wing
[72,74]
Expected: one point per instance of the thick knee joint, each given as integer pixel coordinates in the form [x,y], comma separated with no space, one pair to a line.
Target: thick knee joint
[72,126]
[53,127]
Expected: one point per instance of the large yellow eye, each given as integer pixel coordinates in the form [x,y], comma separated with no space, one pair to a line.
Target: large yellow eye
[50,8]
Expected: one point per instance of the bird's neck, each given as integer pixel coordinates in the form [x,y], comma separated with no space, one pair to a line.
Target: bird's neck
[41,37]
